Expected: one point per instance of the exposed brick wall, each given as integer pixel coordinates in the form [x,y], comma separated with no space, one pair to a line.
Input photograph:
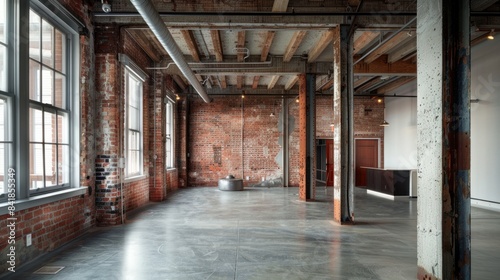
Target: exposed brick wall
[157,190]
[368,115]
[182,141]
[293,145]
[215,140]
[51,225]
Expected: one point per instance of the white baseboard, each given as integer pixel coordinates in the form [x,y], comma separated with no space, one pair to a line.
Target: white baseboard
[485,204]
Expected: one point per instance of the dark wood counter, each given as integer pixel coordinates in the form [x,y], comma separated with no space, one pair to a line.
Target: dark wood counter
[389,181]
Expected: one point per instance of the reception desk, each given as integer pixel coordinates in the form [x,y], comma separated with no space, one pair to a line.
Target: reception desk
[394,182]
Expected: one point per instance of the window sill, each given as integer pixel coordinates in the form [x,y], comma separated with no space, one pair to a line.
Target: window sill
[170,169]
[34,201]
[133,179]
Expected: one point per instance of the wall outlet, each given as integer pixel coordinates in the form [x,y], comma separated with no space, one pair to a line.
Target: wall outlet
[248,178]
[28,240]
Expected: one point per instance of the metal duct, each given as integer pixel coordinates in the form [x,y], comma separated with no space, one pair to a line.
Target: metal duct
[154,21]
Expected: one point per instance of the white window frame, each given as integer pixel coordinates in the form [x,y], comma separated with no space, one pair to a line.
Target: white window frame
[137,94]
[138,74]
[169,133]
[18,97]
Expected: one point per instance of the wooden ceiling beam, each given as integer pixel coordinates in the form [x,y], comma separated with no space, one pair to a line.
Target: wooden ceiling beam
[280,6]
[293,45]
[403,51]
[267,45]
[216,42]
[291,82]
[255,82]
[380,67]
[362,80]
[191,42]
[383,49]
[240,44]
[320,46]
[273,81]
[140,39]
[363,40]
[239,82]
[223,82]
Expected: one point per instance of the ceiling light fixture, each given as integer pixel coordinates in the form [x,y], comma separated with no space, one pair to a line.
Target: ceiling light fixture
[490,35]
[384,123]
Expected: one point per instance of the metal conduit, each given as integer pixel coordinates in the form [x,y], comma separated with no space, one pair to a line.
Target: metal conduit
[154,21]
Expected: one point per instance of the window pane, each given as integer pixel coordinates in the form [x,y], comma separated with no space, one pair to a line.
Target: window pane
[47,44]
[34,36]
[36,166]
[50,165]
[60,52]
[3,68]
[36,128]
[62,129]
[63,164]
[3,21]
[34,80]
[60,91]
[47,85]
[50,127]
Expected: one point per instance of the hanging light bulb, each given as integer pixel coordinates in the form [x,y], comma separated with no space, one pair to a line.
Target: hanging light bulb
[490,36]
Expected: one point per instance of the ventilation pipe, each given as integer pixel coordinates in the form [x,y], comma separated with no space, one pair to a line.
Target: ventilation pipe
[154,21]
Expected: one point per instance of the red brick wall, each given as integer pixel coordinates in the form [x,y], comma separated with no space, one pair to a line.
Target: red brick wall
[51,225]
[293,145]
[215,140]
[368,115]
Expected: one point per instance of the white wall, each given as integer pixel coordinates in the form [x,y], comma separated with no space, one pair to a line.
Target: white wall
[400,137]
[485,124]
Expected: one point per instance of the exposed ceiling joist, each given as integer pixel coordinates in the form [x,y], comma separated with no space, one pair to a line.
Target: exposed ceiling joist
[216,42]
[320,46]
[291,82]
[402,51]
[280,5]
[267,45]
[223,83]
[479,5]
[362,80]
[239,82]
[273,81]
[255,83]
[294,44]
[384,48]
[191,42]
[363,40]
[372,83]
[144,44]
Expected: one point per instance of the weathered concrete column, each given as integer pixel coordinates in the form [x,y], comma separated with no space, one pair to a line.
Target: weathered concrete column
[343,126]
[443,221]
[307,115]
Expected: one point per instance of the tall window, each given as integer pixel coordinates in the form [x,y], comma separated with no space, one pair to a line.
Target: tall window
[49,109]
[169,134]
[5,97]
[133,145]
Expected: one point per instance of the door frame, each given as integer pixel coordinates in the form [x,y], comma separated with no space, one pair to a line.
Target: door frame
[378,152]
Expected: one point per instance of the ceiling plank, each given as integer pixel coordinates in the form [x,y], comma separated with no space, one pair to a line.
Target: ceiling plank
[383,49]
[363,40]
[291,82]
[280,5]
[361,81]
[380,67]
[404,50]
[273,81]
[369,85]
[255,82]
[394,85]
[320,46]
[190,41]
[219,55]
[327,86]
[294,44]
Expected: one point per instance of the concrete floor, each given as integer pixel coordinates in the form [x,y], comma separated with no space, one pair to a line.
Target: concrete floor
[261,233]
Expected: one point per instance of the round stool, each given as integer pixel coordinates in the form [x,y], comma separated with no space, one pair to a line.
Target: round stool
[230,184]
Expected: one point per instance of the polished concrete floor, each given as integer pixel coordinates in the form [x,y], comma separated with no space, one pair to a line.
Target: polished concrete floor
[261,233]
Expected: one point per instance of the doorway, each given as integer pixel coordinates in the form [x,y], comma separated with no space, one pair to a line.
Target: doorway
[324,162]
[366,155]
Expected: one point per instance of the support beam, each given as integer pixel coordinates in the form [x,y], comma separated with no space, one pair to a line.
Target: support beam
[255,83]
[280,5]
[361,80]
[216,42]
[191,42]
[239,82]
[406,49]
[343,190]
[380,67]
[320,46]
[394,85]
[267,45]
[293,45]
[307,138]
[443,140]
